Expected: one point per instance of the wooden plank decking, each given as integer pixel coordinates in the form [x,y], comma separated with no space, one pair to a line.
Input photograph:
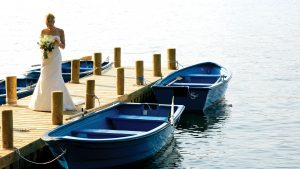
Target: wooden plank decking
[30,125]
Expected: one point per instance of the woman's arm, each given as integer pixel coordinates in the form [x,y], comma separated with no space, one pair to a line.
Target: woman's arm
[62,39]
[42,33]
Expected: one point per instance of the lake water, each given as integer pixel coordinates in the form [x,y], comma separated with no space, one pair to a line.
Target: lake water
[258,123]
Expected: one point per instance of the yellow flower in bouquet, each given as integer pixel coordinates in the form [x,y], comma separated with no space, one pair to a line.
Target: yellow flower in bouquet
[47,45]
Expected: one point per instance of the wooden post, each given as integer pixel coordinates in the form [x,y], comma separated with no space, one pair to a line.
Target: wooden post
[90,94]
[97,63]
[157,65]
[7,129]
[120,81]
[75,71]
[117,57]
[11,90]
[171,59]
[57,107]
[139,72]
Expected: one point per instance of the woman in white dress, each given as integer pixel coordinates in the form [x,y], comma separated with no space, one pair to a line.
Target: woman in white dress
[51,78]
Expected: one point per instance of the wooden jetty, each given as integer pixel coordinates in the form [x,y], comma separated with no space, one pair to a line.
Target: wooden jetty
[25,126]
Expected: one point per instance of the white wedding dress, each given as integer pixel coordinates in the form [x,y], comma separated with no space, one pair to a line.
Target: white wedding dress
[50,80]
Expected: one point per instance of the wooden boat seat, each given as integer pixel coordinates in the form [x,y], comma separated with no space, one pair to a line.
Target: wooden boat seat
[201,80]
[103,133]
[136,123]
[192,84]
[138,118]
[203,75]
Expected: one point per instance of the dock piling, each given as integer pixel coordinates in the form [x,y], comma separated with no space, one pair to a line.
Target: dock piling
[11,90]
[171,59]
[75,71]
[120,81]
[157,65]
[7,129]
[117,57]
[97,63]
[57,107]
[90,94]
[139,69]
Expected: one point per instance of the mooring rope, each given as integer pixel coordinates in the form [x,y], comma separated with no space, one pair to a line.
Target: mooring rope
[9,100]
[148,106]
[193,95]
[141,78]
[83,113]
[95,96]
[177,64]
[43,163]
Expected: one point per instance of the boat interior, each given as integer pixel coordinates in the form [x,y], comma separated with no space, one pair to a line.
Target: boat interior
[204,75]
[123,122]
[197,80]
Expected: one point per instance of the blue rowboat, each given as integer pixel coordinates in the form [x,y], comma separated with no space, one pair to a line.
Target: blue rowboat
[25,87]
[120,135]
[86,68]
[197,87]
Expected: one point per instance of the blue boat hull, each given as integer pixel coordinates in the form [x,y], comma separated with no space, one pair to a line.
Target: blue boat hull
[105,155]
[25,87]
[200,86]
[194,99]
[215,95]
[105,151]
[181,96]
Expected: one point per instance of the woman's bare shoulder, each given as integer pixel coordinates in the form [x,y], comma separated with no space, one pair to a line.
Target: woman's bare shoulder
[60,31]
[44,31]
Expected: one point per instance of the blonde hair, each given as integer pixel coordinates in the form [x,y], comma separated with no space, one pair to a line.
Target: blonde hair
[49,16]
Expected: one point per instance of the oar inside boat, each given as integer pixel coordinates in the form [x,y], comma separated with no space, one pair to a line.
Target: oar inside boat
[177,78]
[82,114]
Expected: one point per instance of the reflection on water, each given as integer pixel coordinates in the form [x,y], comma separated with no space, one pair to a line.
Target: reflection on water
[218,113]
[213,117]
[198,132]
[168,157]
[191,130]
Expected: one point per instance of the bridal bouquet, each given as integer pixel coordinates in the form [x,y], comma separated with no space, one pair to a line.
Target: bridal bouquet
[47,45]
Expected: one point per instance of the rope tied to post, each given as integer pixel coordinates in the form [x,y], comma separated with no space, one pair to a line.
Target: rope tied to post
[11,100]
[41,163]
[94,96]
[177,64]
[144,80]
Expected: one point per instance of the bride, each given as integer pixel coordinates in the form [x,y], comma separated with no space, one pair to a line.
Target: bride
[51,78]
